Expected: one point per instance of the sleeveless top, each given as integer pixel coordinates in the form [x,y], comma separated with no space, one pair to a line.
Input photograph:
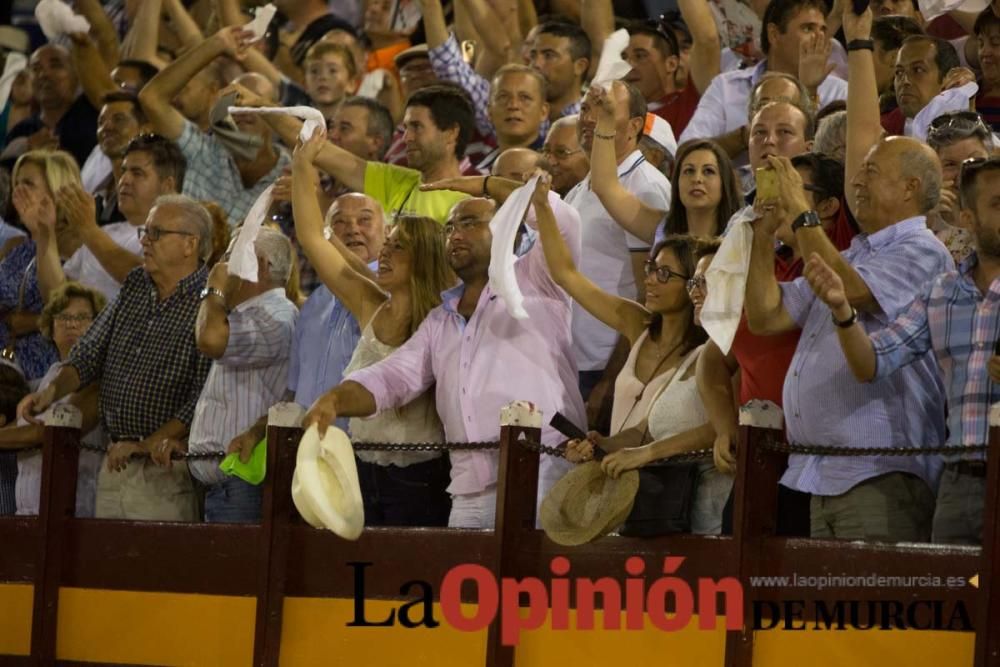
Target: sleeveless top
[678,407]
[633,398]
[416,421]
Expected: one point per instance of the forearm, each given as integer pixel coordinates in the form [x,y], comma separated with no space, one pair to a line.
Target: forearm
[557,254]
[212,328]
[864,125]
[21,437]
[184,27]
[169,82]
[66,382]
[814,240]
[715,387]
[497,42]
[114,259]
[597,19]
[92,71]
[351,399]
[229,12]
[705,59]
[625,439]
[49,268]
[763,296]
[700,437]
[625,208]
[144,35]
[857,346]
[102,30]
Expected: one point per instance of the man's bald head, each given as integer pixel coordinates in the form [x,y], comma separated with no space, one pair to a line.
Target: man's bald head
[917,160]
[899,179]
[516,164]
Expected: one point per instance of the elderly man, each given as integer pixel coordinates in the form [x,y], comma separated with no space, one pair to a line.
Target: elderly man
[477,355]
[895,182]
[151,167]
[568,164]
[65,119]
[247,329]
[142,350]
[222,166]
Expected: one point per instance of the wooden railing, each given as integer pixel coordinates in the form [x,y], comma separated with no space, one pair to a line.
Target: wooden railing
[282,556]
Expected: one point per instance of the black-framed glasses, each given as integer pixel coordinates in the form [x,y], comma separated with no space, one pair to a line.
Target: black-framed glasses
[663,274]
[156,233]
[696,283]
[970,168]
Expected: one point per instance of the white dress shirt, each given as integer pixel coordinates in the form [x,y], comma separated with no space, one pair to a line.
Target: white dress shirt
[84,267]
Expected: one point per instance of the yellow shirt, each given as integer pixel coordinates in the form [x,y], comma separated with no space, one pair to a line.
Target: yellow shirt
[398,190]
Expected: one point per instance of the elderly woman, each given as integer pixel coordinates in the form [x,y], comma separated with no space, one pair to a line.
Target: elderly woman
[65,318]
[37,175]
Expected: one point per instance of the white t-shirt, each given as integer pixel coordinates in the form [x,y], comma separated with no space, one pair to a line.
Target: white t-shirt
[84,268]
[605,255]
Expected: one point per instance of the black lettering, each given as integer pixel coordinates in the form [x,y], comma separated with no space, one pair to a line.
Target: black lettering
[823,614]
[912,620]
[794,611]
[426,600]
[892,615]
[960,615]
[773,615]
[856,616]
[359,599]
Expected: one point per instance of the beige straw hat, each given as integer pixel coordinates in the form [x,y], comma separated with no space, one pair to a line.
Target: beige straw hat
[586,504]
[325,485]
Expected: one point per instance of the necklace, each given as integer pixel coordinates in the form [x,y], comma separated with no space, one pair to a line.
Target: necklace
[651,378]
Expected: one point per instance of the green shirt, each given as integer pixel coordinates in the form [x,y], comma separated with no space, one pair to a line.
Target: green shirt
[398,190]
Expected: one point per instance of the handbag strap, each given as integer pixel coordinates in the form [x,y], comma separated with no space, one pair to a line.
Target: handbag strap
[677,373]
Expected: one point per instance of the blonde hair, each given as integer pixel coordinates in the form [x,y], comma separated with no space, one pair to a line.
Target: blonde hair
[430,273]
[59,300]
[58,167]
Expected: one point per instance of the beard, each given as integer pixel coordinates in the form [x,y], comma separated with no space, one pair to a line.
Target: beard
[987,239]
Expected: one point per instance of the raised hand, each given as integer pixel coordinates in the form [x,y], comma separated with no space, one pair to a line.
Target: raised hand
[856,26]
[235,41]
[540,197]
[814,61]
[600,100]
[36,211]
[825,283]
[306,151]
[78,205]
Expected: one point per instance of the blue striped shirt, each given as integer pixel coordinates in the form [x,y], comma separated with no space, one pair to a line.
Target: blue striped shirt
[825,405]
[246,380]
[961,326]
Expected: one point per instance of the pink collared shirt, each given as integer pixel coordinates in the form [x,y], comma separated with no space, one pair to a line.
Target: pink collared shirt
[482,364]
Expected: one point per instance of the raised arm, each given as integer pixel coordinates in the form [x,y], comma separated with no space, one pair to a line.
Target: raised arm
[625,316]
[499,45]
[144,35]
[766,315]
[597,18]
[864,127]
[91,69]
[37,212]
[155,97]
[81,213]
[357,292]
[102,29]
[625,208]
[211,331]
[183,25]
[705,60]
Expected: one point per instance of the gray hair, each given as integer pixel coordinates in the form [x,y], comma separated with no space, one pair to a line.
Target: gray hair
[922,164]
[831,136]
[803,101]
[195,215]
[275,247]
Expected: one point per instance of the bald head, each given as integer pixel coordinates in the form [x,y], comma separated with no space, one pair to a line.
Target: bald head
[899,179]
[516,164]
[918,161]
[359,222]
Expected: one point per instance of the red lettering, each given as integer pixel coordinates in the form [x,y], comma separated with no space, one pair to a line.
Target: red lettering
[451,597]
[708,609]
[511,620]
[611,603]
[559,595]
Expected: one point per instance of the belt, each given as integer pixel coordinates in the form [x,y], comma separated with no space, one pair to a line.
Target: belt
[971,468]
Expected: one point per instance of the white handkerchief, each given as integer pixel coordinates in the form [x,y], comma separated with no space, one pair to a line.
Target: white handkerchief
[15,63]
[57,18]
[262,19]
[312,117]
[955,99]
[726,280]
[243,258]
[372,84]
[931,9]
[611,67]
[504,227]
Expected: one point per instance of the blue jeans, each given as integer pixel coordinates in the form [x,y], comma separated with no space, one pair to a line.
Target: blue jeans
[413,495]
[233,501]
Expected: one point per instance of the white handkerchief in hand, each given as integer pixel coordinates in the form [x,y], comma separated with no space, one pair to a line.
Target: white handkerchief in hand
[262,19]
[726,280]
[611,67]
[15,63]
[312,117]
[243,258]
[953,99]
[931,9]
[56,18]
[504,227]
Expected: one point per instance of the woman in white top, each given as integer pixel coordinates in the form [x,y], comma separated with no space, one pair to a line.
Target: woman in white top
[399,488]
[66,317]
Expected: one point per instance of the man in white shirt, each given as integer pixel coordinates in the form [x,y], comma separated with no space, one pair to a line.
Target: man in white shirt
[611,256]
[120,121]
[151,166]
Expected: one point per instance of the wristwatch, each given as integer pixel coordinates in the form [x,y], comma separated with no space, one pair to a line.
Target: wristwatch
[212,291]
[807,219]
[849,322]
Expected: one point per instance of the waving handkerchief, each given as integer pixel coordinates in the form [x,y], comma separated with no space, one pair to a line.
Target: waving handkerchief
[243,258]
[261,19]
[954,99]
[56,18]
[726,281]
[504,227]
[16,62]
[312,117]
[611,67]
[931,9]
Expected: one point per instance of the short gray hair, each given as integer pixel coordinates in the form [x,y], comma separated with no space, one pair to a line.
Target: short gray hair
[275,247]
[831,136]
[196,216]
[919,162]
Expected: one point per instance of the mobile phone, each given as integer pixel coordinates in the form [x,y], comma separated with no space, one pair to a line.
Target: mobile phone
[767,183]
[860,6]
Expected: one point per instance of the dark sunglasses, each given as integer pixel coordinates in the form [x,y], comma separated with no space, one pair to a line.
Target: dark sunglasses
[970,168]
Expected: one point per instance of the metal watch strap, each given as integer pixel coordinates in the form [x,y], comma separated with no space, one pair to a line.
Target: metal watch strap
[212,291]
[806,219]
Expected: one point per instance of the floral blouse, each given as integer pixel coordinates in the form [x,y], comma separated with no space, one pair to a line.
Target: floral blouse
[33,352]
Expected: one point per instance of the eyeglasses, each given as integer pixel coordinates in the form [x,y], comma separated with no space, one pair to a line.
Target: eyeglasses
[964,123]
[967,175]
[663,274]
[559,153]
[73,319]
[462,226]
[696,283]
[154,234]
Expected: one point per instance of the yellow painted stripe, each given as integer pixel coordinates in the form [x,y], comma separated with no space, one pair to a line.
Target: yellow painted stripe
[155,628]
[863,648]
[15,618]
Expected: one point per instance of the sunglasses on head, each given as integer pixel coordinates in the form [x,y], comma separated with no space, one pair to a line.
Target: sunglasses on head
[961,122]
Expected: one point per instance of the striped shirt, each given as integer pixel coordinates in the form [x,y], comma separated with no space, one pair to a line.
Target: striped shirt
[212,174]
[142,350]
[825,405]
[961,326]
[246,380]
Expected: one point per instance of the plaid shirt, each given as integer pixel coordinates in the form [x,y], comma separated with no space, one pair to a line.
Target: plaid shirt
[143,352]
[449,65]
[962,326]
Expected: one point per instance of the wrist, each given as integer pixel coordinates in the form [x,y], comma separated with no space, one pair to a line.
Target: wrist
[842,312]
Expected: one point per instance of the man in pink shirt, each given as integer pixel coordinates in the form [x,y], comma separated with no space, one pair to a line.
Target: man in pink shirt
[478,356]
